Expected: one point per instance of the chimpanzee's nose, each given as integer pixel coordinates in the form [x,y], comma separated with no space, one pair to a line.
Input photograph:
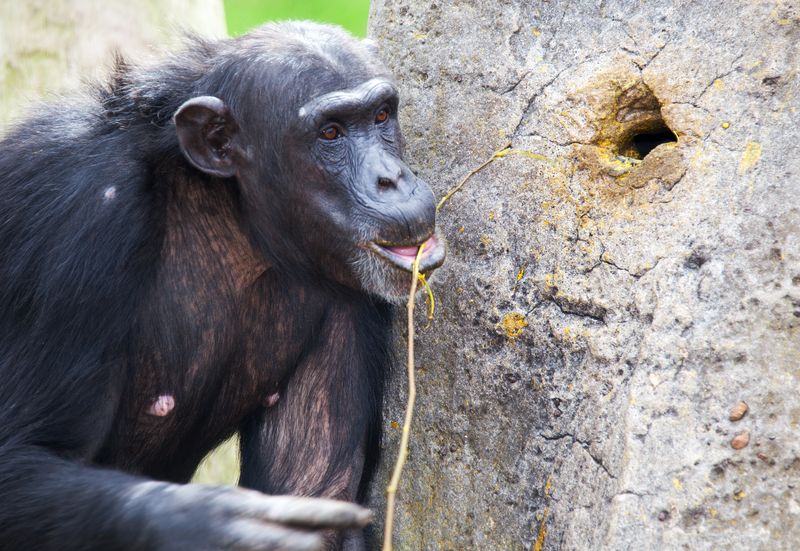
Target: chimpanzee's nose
[388,182]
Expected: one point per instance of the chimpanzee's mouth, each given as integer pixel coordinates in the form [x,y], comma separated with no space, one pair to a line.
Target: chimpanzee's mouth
[402,256]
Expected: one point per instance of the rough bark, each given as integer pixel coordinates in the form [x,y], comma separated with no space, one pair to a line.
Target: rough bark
[600,315]
[53,47]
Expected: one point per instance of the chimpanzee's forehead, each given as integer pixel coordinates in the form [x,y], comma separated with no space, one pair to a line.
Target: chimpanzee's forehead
[364,97]
[297,45]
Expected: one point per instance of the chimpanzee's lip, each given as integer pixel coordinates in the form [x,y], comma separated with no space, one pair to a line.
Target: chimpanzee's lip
[402,255]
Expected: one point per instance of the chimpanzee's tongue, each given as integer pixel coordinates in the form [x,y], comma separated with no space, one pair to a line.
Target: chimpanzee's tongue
[411,252]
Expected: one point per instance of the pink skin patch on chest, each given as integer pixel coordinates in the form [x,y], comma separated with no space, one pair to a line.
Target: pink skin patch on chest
[162,406]
[271,399]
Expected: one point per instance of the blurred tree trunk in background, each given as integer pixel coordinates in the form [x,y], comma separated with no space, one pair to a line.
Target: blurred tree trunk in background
[53,46]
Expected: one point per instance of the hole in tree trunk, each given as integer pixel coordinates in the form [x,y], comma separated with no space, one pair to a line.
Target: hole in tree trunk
[632,142]
[646,142]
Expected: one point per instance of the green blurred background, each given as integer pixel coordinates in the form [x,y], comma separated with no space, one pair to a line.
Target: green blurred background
[243,15]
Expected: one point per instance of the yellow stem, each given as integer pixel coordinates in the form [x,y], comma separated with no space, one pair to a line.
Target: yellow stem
[391,490]
[431,299]
[453,191]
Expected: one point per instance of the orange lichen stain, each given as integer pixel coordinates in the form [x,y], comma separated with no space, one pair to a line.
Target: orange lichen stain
[536,32]
[394,425]
[521,272]
[548,486]
[461,229]
[726,125]
[740,495]
[540,537]
[553,281]
[492,215]
[513,324]
[567,335]
[750,156]
[677,484]
[539,544]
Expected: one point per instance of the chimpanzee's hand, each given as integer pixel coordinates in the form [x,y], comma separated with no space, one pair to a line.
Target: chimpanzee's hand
[217,518]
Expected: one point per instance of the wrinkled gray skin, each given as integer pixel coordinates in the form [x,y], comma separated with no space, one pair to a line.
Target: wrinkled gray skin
[656,295]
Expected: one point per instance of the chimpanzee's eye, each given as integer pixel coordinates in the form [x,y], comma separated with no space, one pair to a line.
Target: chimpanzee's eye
[331,132]
[382,116]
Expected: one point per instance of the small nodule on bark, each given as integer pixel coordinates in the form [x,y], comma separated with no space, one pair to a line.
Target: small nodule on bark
[738,411]
[163,405]
[741,440]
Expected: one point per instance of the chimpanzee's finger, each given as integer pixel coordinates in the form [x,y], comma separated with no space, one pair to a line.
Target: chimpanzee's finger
[304,511]
[252,535]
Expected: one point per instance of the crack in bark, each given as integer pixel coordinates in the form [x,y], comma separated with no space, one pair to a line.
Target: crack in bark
[624,25]
[599,258]
[653,58]
[529,106]
[635,275]
[732,70]
[514,85]
[533,98]
[691,103]
[581,308]
[585,445]
[631,493]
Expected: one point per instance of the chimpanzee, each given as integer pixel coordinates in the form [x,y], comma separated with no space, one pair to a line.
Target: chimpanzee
[203,247]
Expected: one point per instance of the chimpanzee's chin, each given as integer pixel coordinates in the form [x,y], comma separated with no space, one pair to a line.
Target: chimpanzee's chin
[383,279]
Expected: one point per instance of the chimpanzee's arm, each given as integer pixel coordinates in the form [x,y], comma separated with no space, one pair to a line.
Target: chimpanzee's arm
[321,437]
[53,504]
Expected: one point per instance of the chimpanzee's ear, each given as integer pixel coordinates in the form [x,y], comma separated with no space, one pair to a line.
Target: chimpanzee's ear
[205,130]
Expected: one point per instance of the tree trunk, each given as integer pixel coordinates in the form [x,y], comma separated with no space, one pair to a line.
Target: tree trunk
[55,46]
[606,303]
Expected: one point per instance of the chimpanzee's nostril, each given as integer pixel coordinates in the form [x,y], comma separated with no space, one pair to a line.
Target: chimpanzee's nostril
[387,183]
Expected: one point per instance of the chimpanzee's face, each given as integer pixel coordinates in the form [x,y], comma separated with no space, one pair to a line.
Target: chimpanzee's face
[366,213]
[325,191]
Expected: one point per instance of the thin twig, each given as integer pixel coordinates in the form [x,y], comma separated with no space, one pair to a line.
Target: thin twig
[472,173]
[391,490]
